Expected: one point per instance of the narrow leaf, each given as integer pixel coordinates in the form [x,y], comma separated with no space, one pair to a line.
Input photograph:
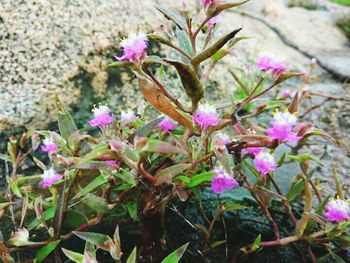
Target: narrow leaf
[173,16]
[98,181]
[176,255]
[74,256]
[66,123]
[165,175]
[214,48]
[200,178]
[132,257]
[101,241]
[46,251]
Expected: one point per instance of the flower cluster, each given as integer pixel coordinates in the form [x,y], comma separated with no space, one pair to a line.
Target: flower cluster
[206,116]
[265,162]
[282,127]
[134,47]
[337,210]
[222,180]
[128,117]
[102,117]
[167,124]
[49,146]
[220,140]
[277,67]
[49,177]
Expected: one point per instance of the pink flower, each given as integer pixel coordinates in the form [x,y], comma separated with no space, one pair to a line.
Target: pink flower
[50,177]
[207,3]
[212,21]
[128,117]
[220,140]
[223,180]
[265,162]
[337,210]
[134,47]
[285,93]
[282,127]
[167,124]
[102,117]
[206,116]
[111,163]
[266,63]
[252,150]
[49,146]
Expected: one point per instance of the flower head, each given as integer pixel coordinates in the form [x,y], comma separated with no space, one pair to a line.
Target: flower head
[285,93]
[50,177]
[220,140]
[49,146]
[223,180]
[20,238]
[212,21]
[128,117]
[282,127]
[277,67]
[337,210]
[167,124]
[252,150]
[265,162]
[102,117]
[134,47]
[206,116]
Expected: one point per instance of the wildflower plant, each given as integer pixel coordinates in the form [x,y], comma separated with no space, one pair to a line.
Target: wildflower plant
[140,168]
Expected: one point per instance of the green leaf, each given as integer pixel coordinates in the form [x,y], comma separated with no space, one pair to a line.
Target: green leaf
[101,241]
[256,243]
[126,176]
[226,5]
[220,54]
[184,43]
[165,175]
[121,64]
[74,256]
[184,179]
[98,181]
[173,16]
[132,257]
[45,251]
[189,79]
[210,51]
[233,206]
[96,153]
[74,219]
[200,178]
[47,215]
[132,209]
[66,123]
[97,203]
[161,147]
[281,160]
[176,255]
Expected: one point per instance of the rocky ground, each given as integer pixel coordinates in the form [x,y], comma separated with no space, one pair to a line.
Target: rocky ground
[63,48]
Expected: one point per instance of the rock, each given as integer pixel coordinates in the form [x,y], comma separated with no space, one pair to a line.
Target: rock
[311,32]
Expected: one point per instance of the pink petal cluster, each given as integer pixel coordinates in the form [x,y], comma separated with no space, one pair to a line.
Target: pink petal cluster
[167,124]
[285,93]
[49,146]
[212,21]
[220,140]
[207,3]
[128,117]
[252,150]
[282,127]
[337,210]
[265,162]
[266,63]
[102,117]
[49,177]
[222,180]
[206,116]
[134,47]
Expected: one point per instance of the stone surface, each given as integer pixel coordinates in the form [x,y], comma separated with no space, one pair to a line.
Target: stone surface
[311,32]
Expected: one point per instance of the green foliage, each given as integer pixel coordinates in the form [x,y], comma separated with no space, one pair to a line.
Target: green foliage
[134,172]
